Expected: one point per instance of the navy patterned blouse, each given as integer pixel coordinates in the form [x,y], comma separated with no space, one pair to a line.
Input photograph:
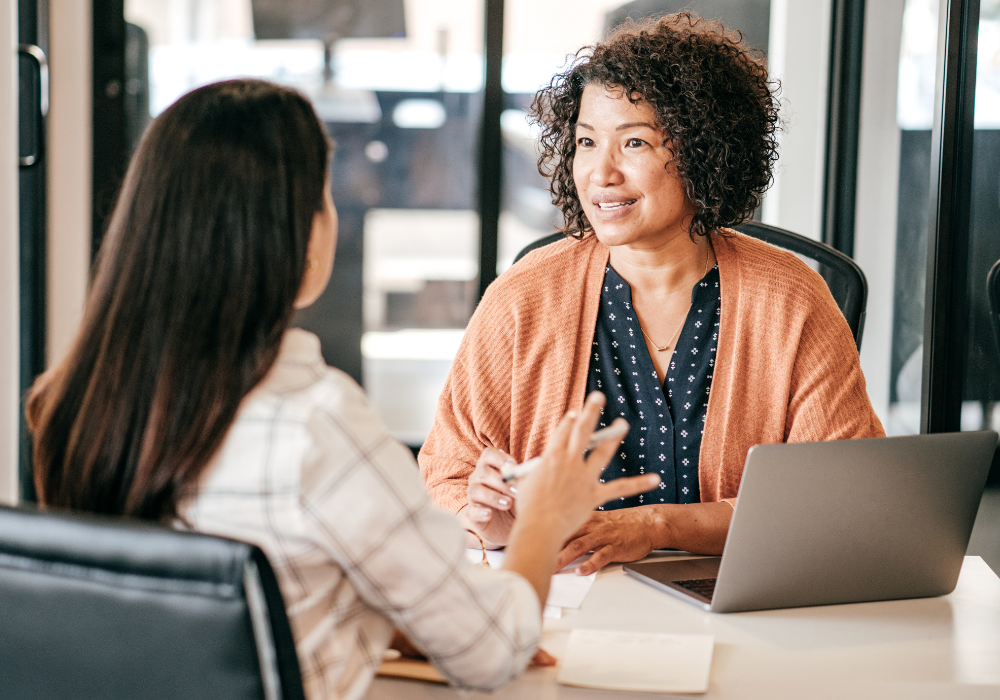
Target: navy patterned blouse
[666,421]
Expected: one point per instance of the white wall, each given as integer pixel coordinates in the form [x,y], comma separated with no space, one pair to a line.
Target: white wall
[69,171]
[878,182]
[799,56]
[9,288]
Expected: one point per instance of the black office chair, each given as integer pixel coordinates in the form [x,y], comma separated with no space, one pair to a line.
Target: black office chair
[845,279]
[993,292]
[102,608]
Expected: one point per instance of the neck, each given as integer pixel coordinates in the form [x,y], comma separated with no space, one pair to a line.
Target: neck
[663,269]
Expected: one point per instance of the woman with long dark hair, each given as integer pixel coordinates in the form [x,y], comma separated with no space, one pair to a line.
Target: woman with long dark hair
[186,399]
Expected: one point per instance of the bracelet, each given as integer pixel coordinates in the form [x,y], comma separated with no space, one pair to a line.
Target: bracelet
[485,562]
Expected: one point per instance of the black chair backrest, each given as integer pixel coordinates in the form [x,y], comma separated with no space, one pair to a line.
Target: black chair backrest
[845,279]
[993,291]
[94,607]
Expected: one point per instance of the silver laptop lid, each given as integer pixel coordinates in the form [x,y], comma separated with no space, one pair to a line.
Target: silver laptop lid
[852,520]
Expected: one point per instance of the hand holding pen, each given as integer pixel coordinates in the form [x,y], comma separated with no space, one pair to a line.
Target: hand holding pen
[616,431]
[492,488]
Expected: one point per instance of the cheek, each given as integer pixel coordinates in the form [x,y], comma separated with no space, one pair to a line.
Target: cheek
[665,186]
[579,180]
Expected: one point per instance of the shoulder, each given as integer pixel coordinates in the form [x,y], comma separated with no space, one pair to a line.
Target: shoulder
[541,286]
[545,270]
[301,389]
[768,274]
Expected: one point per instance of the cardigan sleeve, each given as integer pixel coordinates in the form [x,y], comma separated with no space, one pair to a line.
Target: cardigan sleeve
[474,408]
[827,397]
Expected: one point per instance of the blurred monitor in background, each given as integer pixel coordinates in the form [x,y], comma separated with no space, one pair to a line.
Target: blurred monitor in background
[328,20]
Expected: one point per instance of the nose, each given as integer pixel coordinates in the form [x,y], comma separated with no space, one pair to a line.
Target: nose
[605,171]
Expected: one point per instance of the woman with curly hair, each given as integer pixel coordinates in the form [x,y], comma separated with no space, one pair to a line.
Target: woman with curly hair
[705,340]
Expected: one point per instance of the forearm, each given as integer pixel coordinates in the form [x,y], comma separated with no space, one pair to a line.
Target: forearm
[700,528]
[532,552]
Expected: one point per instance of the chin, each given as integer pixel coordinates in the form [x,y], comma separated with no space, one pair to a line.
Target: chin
[614,235]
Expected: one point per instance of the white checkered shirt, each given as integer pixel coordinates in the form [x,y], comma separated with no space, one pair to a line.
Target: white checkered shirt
[309,474]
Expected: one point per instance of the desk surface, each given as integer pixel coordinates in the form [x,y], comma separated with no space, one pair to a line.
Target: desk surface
[947,647]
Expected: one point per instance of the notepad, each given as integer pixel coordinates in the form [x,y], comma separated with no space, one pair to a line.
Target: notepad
[414,669]
[655,663]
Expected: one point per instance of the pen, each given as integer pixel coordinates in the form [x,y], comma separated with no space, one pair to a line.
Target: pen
[610,433]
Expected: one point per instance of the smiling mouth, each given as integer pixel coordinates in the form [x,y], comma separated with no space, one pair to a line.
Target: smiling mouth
[611,206]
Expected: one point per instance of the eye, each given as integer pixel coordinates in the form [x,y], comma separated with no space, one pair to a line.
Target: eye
[634,143]
[584,141]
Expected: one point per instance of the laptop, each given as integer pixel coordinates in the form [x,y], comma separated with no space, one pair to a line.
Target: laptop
[847,521]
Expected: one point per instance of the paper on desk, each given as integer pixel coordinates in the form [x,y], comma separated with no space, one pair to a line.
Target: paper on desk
[567,590]
[656,663]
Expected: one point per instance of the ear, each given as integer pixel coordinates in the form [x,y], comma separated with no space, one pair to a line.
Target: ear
[319,254]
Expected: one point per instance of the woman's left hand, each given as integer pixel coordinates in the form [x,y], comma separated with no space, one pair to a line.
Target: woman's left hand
[613,535]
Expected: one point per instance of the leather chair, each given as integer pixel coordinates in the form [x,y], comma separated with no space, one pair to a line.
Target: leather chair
[97,607]
[845,279]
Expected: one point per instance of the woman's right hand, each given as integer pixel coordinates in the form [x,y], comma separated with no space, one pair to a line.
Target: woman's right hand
[566,488]
[561,493]
[491,511]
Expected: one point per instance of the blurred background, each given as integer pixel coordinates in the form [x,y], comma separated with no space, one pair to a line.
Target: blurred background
[435,174]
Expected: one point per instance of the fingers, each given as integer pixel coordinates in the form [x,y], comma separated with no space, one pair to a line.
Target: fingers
[560,438]
[491,480]
[631,486]
[601,455]
[543,658]
[583,427]
[480,494]
[571,551]
[486,488]
[600,557]
[494,458]
[480,516]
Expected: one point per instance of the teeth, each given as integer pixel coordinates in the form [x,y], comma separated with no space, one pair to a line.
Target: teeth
[614,205]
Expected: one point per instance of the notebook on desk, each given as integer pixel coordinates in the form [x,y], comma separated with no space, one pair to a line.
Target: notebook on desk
[847,521]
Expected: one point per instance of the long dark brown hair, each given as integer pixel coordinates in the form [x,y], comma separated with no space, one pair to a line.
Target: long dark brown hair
[193,288]
[710,92]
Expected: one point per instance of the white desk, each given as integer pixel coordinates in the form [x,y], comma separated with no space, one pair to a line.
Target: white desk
[931,648]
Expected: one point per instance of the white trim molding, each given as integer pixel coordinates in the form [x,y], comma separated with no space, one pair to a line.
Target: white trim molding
[878,191]
[10,292]
[799,56]
[69,172]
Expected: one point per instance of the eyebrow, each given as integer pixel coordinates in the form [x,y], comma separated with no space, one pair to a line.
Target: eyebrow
[622,127]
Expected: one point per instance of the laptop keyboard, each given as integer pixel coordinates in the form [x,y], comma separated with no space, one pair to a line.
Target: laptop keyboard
[704,587]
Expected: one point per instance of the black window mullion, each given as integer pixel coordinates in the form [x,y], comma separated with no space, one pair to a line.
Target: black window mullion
[843,124]
[110,140]
[491,146]
[947,304]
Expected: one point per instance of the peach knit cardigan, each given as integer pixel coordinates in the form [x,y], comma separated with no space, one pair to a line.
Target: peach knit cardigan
[786,366]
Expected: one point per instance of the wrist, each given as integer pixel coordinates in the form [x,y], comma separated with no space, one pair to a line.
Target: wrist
[541,534]
[662,526]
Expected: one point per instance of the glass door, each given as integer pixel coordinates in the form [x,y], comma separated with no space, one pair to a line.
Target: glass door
[398,84]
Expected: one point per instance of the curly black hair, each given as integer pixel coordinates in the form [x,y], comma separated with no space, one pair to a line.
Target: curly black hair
[711,94]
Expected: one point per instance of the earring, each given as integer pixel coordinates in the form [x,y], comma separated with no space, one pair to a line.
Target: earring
[310,264]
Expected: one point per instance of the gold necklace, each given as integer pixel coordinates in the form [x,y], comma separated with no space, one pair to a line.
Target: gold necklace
[708,259]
